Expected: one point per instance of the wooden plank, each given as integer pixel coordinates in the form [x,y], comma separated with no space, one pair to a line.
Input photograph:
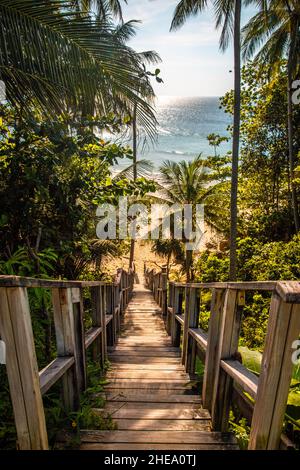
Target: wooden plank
[99,346]
[190,315]
[227,348]
[163,424]
[211,356]
[153,398]
[146,367]
[168,410]
[199,336]
[91,335]
[147,374]
[289,291]
[166,447]
[18,281]
[22,369]
[54,371]
[145,360]
[180,319]
[79,346]
[65,342]
[240,374]
[141,349]
[144,353]
[157,437]
[275,376]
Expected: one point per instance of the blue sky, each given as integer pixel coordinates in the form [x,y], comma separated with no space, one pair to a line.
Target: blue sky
[192,64]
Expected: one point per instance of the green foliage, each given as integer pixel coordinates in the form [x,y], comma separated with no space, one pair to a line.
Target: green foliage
[69,424]
[54,174]
[241,430]
[264,185]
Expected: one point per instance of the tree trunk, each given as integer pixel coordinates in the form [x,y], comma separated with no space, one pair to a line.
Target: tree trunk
[134,149]
[291,149]
[236,139]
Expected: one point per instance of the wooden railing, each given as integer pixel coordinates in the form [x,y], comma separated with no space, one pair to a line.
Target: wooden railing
[226,379]
[26,383]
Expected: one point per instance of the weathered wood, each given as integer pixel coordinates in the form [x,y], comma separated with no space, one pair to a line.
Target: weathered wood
[199,336]
[79,347]
[174,437]
[164,287]
[150,447]
[54,371]
[91,335]
[98,321]
[275,376]
[149,374]
[179,319]
[18,281]
[227,348]
[240,374]
[65,342]
[190,321]
[154,398]
[289,291]
[213,340]
[163,424]
[22,369]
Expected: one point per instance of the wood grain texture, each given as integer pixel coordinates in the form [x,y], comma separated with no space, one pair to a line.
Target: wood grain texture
[149,395]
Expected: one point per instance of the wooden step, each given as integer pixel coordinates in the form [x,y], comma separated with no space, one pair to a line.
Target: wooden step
[145,398]
[149,396]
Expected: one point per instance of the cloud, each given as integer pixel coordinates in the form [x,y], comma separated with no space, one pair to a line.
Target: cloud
[147,10]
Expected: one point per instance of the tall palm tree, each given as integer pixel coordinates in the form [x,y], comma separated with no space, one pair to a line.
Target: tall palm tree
[228,15]
[276,31]
[189,183]
[55,58]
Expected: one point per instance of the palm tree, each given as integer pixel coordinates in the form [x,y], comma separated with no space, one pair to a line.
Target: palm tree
[276,28]
[57,59]
[169,248]
[189,183]
[228,15]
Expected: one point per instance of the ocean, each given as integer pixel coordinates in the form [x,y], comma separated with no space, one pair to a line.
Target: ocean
[184,124]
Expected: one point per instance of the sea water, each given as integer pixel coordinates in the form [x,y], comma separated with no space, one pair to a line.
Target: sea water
[183,126]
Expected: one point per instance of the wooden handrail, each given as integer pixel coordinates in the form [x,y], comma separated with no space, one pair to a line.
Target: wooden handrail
[223,372]
[27,384]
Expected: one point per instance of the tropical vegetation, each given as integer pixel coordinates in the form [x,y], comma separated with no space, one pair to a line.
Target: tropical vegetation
[71,78]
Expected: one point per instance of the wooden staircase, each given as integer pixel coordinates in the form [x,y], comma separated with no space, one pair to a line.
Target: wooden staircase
[149,395]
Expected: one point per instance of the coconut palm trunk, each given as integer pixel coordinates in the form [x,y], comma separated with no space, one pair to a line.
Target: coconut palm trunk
[236,140]
[134,151]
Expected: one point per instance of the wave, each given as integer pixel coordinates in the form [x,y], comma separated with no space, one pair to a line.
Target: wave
[175,152]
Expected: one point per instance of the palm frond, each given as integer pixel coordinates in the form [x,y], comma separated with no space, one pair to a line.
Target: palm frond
[144,170]
[184,10]
[53,57]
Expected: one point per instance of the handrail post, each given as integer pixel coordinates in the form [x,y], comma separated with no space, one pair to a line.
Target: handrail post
[67,340]
[98,319]
[228,346]
[170,299]
[191,345]
[177,310]
[211,366]
[275,377]
[189,318]
[22,369]
[80,360]
[164,294]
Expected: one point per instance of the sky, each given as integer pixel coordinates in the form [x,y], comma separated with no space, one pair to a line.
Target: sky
[192,64]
